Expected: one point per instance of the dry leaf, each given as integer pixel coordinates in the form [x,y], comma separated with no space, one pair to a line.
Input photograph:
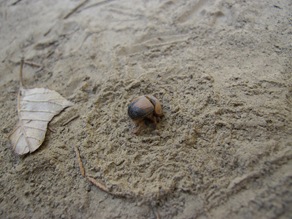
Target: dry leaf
[36,108]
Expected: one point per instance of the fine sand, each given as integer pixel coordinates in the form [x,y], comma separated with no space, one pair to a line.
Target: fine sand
[222,71]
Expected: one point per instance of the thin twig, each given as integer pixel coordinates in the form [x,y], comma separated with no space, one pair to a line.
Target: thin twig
[98,184]
[70,120]
[75,9]
[20,73]
[82,170]
[22,62]
[32,64]
[89,178]
[105,189]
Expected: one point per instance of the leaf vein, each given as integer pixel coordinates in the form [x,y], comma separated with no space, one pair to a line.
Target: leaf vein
[37,111]
[36,128]
[42,101]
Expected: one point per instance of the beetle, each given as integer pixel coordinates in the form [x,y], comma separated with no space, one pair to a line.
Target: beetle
[144,109]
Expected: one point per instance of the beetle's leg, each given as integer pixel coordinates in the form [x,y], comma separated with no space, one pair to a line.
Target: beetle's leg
[137,130]
[154,120]
[138,126]
[159,118]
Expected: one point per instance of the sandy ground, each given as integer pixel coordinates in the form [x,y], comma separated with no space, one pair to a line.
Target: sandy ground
[222,70]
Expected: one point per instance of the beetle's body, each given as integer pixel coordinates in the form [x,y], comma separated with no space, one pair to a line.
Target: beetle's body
[140,108]
[143,108]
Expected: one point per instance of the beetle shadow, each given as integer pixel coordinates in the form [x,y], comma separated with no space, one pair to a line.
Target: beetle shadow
[149,123]
[150,126]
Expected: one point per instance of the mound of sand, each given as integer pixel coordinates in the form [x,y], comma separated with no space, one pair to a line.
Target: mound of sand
[222,71]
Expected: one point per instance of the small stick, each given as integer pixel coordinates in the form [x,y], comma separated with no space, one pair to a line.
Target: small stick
[75,9]
[98,184]
[105,189]
[82,170]
[20,72]
[32,64]
[70,120]
[22,62]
